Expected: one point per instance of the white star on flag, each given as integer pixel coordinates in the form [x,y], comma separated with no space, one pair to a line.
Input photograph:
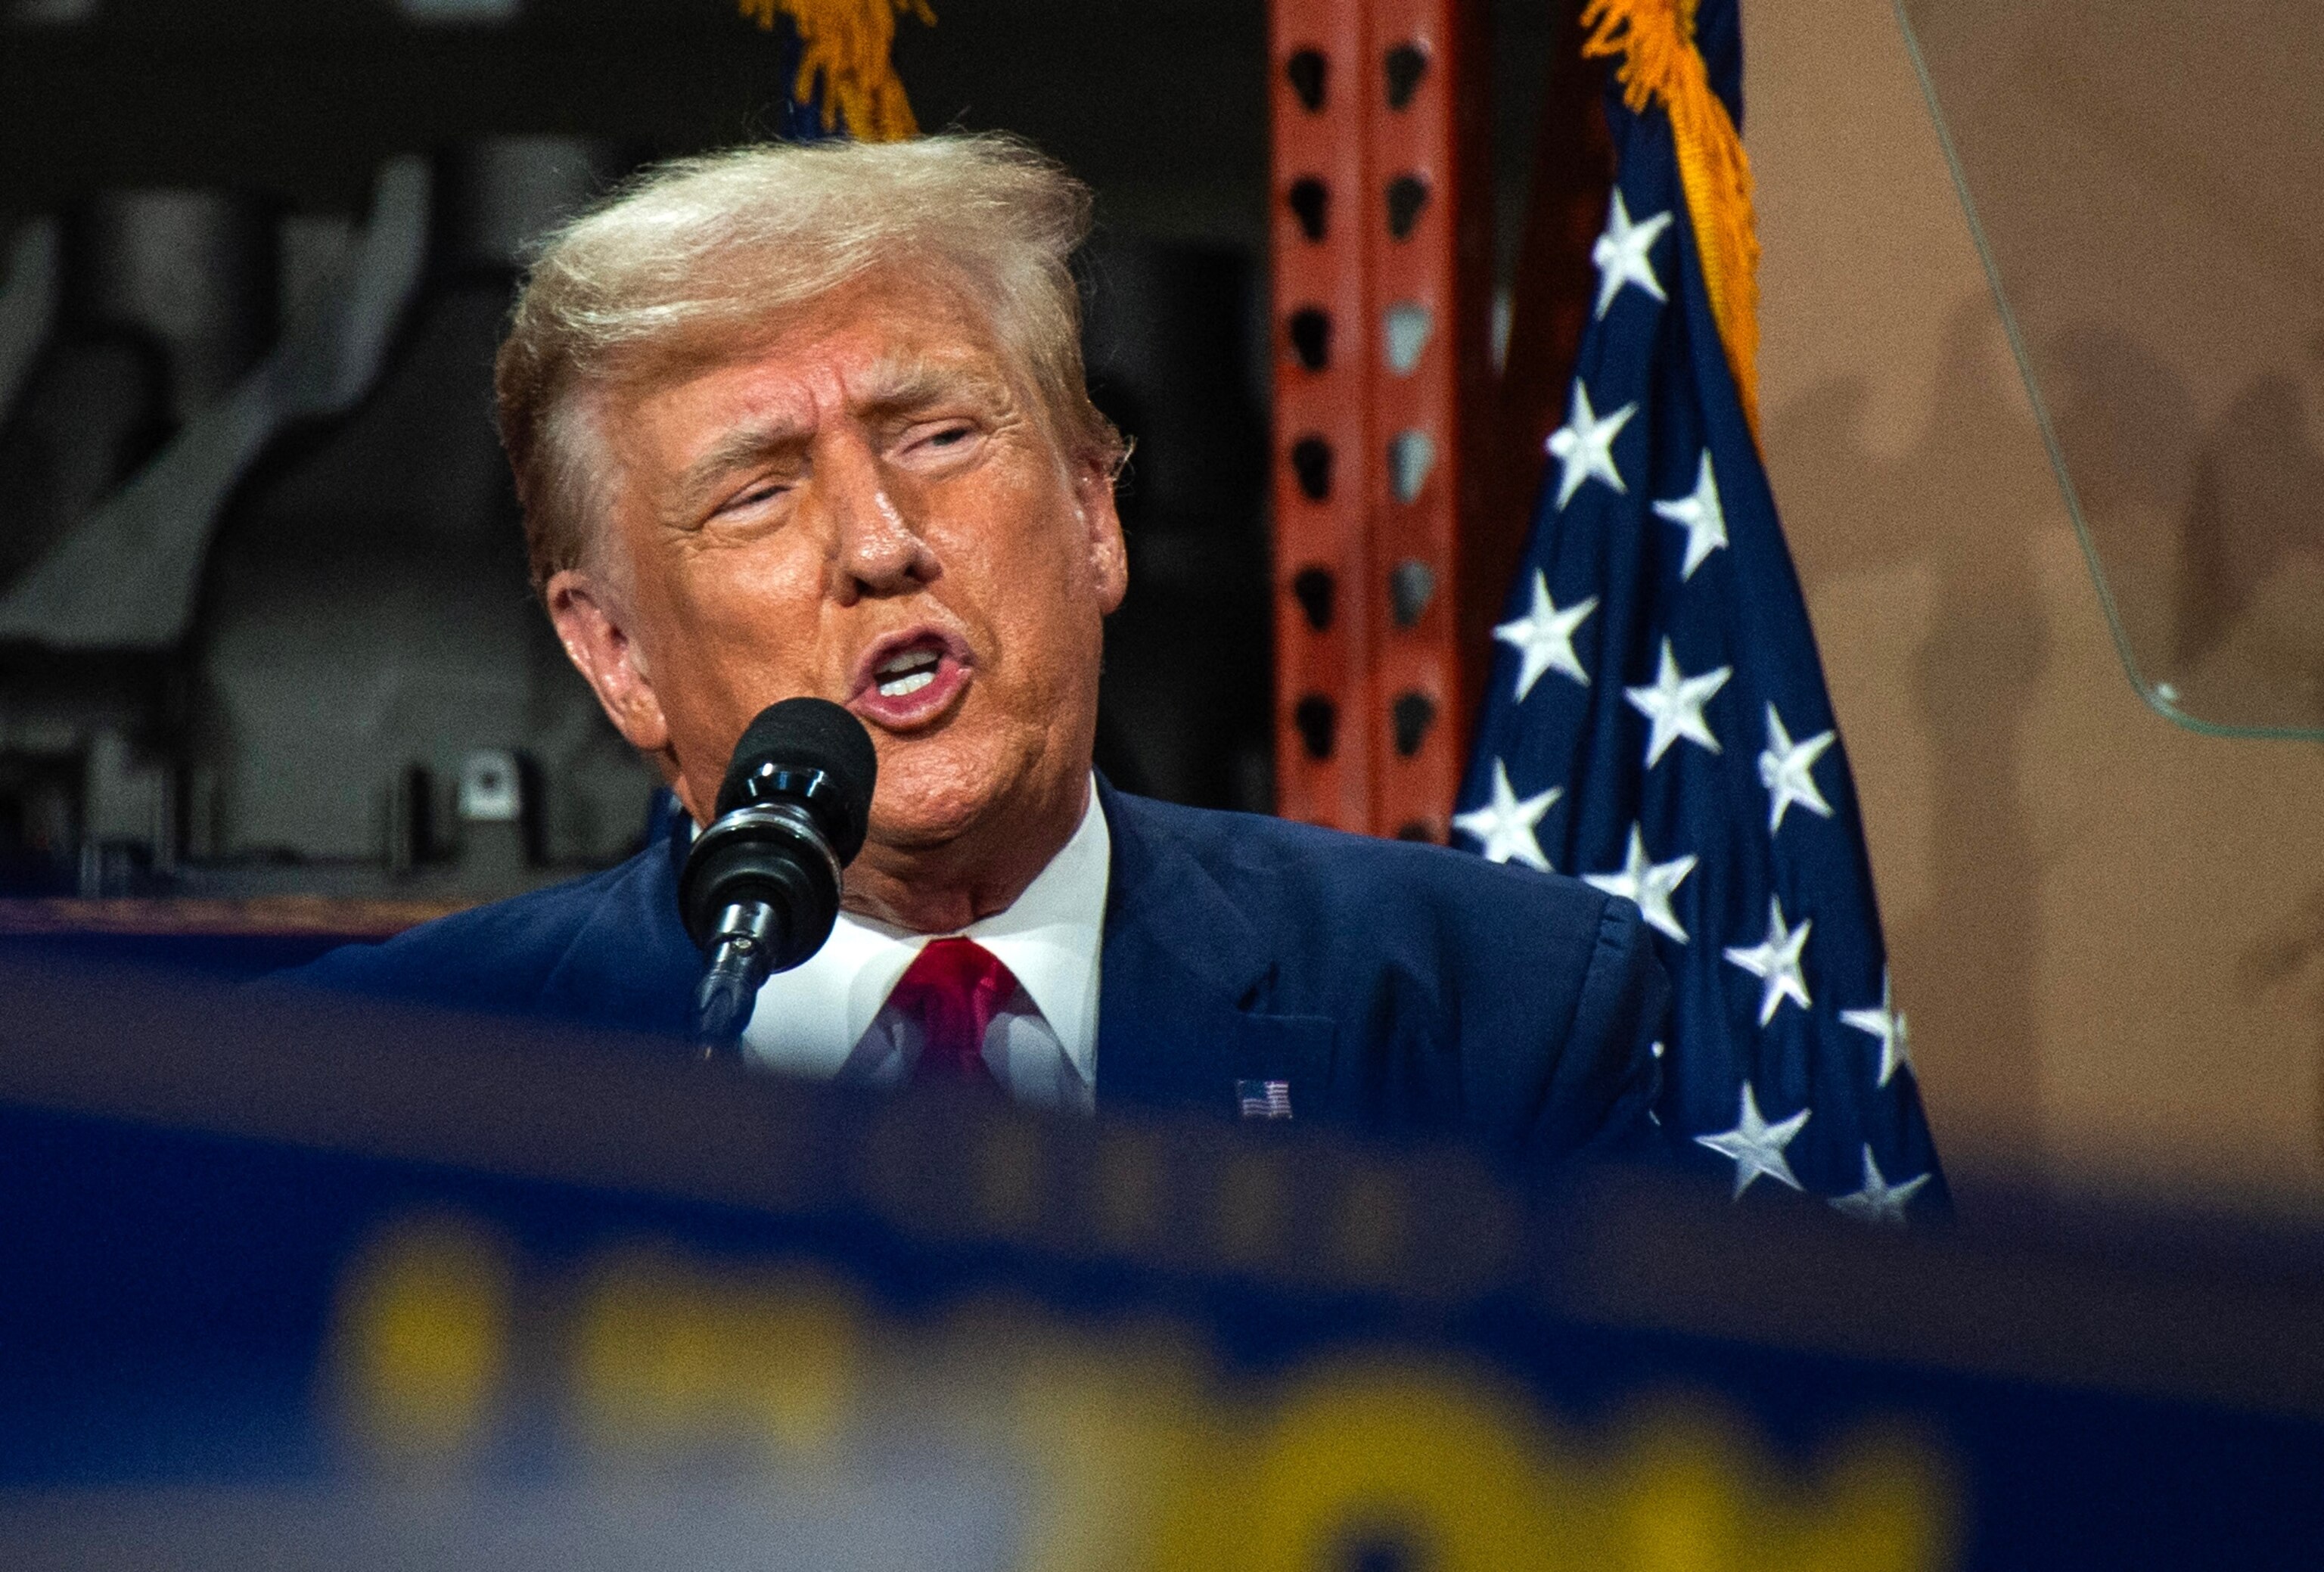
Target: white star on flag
[1506,824]
[1755,1145]
[1673,704]
[1878,1201]
[1650,884]
[1776,961]
[1544,636]
[1584,446]
[1884,1022]
[1621,253]
[1699,515]
[1785,769]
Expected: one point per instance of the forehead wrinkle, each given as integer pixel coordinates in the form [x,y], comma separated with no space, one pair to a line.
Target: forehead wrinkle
[900,383]
[896,384]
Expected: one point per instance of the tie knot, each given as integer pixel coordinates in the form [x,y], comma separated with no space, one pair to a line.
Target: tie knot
[954,988]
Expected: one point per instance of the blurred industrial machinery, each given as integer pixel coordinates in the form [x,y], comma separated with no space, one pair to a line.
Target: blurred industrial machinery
[265,600]
[264,626]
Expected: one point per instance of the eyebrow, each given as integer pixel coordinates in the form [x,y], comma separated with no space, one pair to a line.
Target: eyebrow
[895,387]
[901,385]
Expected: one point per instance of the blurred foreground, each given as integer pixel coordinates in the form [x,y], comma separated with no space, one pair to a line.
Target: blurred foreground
[293,1283]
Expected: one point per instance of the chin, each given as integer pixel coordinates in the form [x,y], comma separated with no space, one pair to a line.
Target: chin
[931,795]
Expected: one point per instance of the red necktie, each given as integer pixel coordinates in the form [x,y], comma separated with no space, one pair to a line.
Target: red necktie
[954,988]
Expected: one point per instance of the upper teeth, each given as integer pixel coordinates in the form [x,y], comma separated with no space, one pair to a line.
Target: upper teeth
[908,672]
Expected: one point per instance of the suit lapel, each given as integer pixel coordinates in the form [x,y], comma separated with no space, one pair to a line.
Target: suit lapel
[1185,977]
[1184,985]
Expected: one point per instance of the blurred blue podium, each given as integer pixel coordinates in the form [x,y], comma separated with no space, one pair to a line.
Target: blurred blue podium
[288,1282]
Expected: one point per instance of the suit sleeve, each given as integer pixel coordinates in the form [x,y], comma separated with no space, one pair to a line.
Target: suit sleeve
[488,960]
[1608,1075]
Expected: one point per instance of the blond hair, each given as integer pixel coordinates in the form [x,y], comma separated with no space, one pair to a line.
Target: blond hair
[697,256]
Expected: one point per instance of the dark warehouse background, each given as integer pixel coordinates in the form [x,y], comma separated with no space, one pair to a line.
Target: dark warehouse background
[263,625]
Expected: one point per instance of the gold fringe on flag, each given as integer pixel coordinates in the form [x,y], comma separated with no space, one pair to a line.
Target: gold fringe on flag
[847,45]
[1655,39]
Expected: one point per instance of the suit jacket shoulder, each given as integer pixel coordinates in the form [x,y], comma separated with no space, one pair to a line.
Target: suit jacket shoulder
[1455,994]
[607,950]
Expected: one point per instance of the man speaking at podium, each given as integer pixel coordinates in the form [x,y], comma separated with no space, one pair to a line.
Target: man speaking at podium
[811,421]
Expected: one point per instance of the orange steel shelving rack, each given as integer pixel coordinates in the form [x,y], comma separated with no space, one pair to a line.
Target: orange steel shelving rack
[1381,233]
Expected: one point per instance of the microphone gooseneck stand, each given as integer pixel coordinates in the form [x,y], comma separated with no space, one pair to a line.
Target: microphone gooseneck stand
[741,960]
[760,890]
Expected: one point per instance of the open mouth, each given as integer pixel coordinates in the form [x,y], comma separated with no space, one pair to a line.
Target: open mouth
[904,674]
[910,680]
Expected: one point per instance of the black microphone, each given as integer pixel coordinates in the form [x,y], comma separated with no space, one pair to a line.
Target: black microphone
[760,888]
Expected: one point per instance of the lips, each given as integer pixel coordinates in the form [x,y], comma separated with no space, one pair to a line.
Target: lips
[908,679]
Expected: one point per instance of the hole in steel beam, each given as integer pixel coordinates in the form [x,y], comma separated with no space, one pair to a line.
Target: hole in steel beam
[1310,204]
[1310,74]
[1310,461]
[1311,338]
[1410,716]
[1406,196]
[1411,585]
[1406,327]
[1406,64]
[1315,591]
[1411,455]
[1317,719]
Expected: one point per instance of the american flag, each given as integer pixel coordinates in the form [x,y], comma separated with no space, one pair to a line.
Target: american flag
[1657,725]
[1264,1099]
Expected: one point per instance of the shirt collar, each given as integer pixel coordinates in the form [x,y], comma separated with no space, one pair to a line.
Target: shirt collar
[1050,937]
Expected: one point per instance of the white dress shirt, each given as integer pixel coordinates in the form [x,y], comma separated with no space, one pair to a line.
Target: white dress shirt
[829,1020]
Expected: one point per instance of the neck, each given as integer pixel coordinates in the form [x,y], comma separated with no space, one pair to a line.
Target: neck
[943,889]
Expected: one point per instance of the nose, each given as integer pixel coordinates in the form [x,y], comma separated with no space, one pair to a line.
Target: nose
[875,550]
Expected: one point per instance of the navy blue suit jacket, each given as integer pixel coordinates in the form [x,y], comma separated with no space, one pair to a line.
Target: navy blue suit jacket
[1395,988]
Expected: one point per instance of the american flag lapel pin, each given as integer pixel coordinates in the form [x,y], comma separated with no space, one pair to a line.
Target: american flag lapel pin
[1264,1099]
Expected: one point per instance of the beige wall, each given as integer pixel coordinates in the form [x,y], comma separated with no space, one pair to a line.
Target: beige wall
[2108,932]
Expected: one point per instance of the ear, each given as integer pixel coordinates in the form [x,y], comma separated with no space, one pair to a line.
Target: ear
[591,622]
[1108,554]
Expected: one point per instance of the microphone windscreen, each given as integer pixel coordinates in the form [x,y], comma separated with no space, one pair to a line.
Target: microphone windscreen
[810,734]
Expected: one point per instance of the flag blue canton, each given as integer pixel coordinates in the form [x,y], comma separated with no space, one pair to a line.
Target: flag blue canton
[1658,724]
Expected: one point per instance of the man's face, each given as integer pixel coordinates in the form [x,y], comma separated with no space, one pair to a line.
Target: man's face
[867,507]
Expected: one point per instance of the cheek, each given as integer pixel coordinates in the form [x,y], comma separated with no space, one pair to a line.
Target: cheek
[1034,578]
[734,630]
[750,602]
[1048,638]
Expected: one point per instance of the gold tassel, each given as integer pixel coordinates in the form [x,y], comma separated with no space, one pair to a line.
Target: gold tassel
[1655,39]
[847,45]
